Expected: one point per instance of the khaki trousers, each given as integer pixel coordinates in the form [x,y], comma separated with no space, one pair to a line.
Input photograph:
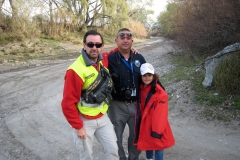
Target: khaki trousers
[102,129]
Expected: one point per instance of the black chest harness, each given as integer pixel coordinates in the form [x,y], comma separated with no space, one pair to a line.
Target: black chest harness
[100,89]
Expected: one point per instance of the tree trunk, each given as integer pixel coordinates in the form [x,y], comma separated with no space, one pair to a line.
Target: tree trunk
[51,18]
[1,4]
[14,21]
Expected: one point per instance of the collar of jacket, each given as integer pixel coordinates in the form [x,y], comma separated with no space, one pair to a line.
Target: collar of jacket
[87,61]
[119,56]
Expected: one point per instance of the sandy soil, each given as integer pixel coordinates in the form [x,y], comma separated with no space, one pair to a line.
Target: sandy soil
[32,125]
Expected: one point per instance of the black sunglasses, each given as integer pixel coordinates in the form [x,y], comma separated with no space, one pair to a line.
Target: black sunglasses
[91,45]
[125,34]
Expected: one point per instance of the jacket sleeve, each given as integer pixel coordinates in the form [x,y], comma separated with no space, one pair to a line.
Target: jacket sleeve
[160,114]
[112,51]
[105,56]
[71,96]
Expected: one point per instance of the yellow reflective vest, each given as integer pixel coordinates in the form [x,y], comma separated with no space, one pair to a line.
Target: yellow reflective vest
[88,74]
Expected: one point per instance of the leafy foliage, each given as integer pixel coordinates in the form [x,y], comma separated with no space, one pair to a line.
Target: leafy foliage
[138,11]
[227,75]
[204,26]
[59,19]
[168,20]
[137,28]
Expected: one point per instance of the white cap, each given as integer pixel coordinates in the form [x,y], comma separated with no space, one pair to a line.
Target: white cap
[146,68]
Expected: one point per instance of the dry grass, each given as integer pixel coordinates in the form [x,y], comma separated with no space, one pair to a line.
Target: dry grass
[27,49]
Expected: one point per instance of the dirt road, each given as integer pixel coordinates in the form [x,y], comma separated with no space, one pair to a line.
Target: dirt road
[33,127]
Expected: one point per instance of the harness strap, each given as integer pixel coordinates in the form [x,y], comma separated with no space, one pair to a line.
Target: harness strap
[101,87]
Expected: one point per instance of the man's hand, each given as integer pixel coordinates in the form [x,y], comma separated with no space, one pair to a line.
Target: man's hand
[81,133]
[134,50]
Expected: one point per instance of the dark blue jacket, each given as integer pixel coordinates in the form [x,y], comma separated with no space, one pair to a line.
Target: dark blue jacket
[122,75]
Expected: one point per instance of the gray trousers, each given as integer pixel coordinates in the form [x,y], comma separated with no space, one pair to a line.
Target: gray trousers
[102,129]
[121,114]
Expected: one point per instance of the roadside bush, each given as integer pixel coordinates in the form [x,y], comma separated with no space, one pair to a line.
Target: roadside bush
[10,37]
[227,75]
[138,29]
[215,105]
[237,102]
[168,20]
[204,26]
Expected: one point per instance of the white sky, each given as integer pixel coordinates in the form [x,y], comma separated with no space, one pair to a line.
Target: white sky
[158,6]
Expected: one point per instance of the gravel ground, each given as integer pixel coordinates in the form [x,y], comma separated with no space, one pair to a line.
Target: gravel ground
[32,125]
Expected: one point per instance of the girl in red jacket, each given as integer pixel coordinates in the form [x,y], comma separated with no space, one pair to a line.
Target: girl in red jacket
[153,132]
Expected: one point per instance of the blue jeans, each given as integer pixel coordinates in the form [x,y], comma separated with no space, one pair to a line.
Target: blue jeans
[158,154]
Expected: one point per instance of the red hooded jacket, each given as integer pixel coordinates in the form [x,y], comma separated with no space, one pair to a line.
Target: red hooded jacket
[153,131]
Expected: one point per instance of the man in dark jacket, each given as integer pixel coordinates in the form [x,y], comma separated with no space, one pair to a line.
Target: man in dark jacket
[124,67]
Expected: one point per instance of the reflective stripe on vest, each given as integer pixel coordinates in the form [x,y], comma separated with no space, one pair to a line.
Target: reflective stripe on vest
[88,74]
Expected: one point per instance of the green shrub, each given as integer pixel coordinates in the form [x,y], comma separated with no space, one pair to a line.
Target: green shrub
[13,52]
[227,75]
[208,96]
[31,50]
[23,45]
[236,102]
[7,37]
[188,68]
[26,55]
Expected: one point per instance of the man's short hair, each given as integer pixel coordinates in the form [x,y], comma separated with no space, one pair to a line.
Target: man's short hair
[123,29]
[92,32]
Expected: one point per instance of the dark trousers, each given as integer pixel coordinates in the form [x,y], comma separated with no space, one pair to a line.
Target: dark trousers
[121,114]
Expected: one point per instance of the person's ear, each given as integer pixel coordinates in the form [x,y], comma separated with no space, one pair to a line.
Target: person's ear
[84,46]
